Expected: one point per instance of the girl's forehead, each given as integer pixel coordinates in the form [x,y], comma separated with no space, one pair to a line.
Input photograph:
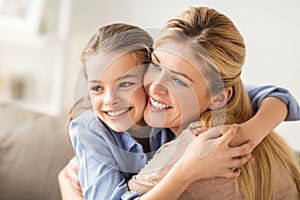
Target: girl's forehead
[101,61]
[105,66]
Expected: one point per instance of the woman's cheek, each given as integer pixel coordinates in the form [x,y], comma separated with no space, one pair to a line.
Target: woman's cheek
[190,108]
[140,97]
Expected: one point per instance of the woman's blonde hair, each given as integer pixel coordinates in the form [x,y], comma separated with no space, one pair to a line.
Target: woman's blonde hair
[112,38]
[218,45]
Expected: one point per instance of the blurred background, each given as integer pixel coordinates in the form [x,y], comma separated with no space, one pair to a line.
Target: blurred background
[41,43]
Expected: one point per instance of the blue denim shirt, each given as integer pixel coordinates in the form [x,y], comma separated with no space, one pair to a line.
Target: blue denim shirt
[107,160]
[257,94]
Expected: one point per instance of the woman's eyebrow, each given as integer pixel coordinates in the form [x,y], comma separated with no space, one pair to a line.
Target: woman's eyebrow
[155,56]
[174,72]
[182,74]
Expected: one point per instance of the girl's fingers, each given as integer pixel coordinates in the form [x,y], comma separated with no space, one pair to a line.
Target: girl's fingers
[242,150]
[73,164]
[232,173]
[239,162]
[72,173]
[73,178]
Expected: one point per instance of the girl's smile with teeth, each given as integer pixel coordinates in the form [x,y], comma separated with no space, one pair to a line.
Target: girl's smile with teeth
[158,105]
[117,113]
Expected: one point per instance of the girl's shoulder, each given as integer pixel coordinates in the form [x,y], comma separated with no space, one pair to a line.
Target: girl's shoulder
[88,120]
[88,116]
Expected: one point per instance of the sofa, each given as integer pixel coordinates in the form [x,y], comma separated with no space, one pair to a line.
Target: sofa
[33,149]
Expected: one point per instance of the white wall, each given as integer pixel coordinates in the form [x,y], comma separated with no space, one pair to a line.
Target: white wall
[271,29]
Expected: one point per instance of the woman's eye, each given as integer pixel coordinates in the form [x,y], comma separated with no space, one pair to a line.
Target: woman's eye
[96,88]
[126,84]
[156,66]
[179,82]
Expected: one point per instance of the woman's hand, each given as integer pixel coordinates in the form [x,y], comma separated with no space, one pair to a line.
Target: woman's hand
[210,155]
[240,138]
[68,182]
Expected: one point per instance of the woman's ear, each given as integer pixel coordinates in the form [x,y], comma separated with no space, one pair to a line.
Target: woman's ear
[220,99]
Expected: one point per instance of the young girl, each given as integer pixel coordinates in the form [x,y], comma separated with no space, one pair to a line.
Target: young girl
[108,144]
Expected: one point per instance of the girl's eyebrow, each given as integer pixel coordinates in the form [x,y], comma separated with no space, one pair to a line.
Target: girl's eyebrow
[120,78]
[127,76]
[174,72]
[94,81]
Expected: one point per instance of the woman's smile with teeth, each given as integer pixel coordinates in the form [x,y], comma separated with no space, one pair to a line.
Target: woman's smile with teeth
[158,105]
[117,113]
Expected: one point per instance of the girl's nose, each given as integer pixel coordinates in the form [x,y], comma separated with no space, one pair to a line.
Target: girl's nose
[110,98]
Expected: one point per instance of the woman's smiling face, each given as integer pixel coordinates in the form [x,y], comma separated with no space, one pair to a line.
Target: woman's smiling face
[177,91]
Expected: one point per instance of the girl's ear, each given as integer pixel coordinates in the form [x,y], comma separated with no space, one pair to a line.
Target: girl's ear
[220,99]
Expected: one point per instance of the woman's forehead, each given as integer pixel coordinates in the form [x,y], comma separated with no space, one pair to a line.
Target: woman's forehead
[176,55]
[179,50]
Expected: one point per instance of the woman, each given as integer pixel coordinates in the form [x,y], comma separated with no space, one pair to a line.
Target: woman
[203,53]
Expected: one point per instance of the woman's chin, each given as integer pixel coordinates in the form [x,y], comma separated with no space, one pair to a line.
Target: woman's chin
[155,119]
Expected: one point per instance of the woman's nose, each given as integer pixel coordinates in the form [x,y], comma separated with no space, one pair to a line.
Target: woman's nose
[158,88]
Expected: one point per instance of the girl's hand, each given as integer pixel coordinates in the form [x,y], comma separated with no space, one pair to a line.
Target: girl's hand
[210,155]
[68,182]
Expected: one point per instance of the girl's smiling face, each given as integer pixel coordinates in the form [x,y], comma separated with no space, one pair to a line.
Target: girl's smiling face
[116,89]
[178,94]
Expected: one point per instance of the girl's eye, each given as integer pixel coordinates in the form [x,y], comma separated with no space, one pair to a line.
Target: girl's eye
[156,66]
[96,88]
[179,82]
[126,84]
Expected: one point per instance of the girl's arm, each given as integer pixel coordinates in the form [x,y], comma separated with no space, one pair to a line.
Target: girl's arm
[258,94]
[270,114]
[272,106]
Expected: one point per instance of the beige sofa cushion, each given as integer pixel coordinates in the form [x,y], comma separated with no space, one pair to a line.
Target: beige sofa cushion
[33,148]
